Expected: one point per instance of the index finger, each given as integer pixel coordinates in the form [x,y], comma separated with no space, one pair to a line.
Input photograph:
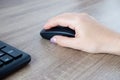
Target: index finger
[59,21]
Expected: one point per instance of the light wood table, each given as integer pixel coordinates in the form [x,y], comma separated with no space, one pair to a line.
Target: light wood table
[21,22]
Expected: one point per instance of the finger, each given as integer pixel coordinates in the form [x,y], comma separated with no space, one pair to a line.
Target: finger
[61,21]
[64,41]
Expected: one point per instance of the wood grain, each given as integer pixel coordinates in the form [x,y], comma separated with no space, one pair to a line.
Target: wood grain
[21,22]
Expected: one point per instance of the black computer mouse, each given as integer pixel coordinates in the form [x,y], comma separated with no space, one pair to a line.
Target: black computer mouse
[58,30]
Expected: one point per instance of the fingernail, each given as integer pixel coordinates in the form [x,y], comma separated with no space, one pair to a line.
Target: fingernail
[53,40]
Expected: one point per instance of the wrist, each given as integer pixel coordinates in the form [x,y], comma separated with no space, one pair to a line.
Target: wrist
[112,46]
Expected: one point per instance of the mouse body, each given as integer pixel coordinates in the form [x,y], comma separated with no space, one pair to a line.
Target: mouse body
[58,30]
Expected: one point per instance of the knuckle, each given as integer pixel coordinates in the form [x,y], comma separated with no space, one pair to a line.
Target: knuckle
[50,20]
[83,17]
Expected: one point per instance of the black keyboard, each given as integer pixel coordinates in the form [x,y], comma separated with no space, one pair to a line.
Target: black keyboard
[11,59]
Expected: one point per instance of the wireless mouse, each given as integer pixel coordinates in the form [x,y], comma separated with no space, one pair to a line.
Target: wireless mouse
[58,30]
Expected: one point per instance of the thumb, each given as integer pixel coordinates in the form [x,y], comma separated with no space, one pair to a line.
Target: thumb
[63,41]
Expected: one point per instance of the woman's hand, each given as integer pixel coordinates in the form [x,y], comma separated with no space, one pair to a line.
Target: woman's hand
[91,36]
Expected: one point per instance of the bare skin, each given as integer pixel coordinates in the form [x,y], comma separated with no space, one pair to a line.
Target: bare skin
[91,36]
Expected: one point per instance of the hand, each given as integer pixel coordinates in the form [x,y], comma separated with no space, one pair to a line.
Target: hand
[91,36]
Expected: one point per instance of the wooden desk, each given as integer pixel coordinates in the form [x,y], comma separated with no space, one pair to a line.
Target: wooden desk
[21,22]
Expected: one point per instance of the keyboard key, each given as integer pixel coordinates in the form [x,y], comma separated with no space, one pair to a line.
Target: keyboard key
[13,52]
[2,45]
[11,59]
[1,53]
[6,58]
[1,63]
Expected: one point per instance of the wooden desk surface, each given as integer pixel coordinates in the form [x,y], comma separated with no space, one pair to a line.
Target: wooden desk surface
[21,22]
